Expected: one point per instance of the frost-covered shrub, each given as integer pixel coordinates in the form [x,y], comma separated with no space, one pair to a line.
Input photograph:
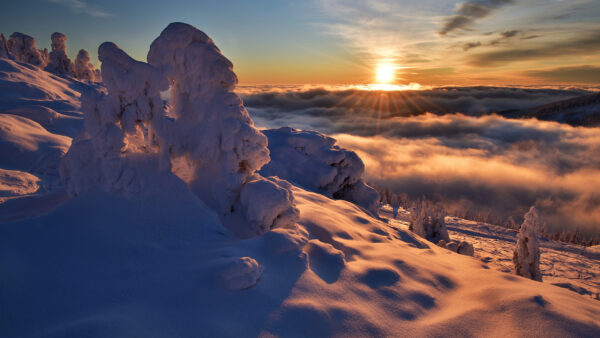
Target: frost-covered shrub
[527,253]
[116,123]
[210,125]
[427,221]
[59,61]
[84,70]
[3,47]
[22,47]
[313,161]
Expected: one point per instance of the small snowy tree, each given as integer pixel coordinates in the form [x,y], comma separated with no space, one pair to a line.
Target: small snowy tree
[84,70]
[23,48]
[526,257]
[428,221]
[59,61]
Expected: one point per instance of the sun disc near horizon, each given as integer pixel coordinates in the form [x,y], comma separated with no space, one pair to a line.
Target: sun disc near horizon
[384,73]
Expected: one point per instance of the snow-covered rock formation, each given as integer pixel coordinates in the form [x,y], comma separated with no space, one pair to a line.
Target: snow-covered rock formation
[59,60]
[527,253]
[211,128]
[428,221]
[22,47]
[84,70]
[313,161]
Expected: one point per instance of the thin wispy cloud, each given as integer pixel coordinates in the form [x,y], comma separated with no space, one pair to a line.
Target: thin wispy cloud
[79,6]
[468,12]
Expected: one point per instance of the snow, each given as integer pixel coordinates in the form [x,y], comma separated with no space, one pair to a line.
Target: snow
[527,251]
[313,161]
[59,61]
[428,221]
[16,183]
[3,47]
[154,254]
[27,146]
[84,70]
[22,48]
[211,128]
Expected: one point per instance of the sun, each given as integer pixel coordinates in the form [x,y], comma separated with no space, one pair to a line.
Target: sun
[384,73]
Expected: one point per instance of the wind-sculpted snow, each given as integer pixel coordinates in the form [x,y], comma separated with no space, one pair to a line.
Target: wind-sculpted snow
[313,161]
[527,253]
[59,61]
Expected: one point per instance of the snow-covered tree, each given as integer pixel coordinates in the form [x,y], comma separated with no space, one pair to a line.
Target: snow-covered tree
[22,47]
[428,221]
[117,123]
[84,70]
[59,61]
[211,127]
[526,257]
[3,47]
[128,132]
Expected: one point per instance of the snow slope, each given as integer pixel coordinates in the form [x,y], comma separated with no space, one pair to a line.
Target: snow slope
[107,266]
[161,263]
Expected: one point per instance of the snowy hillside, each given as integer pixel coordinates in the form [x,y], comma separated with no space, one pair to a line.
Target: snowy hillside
[570,266]
[120,216]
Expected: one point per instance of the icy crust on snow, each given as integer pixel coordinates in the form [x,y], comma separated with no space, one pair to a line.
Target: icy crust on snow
[22,47]
[313,161]
[59,62]
[527,252]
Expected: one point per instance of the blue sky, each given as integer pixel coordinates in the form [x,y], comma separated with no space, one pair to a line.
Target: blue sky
[335,41]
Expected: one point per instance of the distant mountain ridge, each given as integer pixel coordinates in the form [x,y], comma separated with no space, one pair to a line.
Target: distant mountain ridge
[579,111]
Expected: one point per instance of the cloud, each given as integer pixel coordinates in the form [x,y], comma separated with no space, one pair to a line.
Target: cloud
[588,44]
[79,6]
[471,45]
[473,160]
[468,12]
[575,74]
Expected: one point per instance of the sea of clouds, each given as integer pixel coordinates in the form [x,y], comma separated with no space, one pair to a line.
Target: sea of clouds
[449,145]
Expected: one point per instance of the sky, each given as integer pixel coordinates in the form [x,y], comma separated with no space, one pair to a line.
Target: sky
[428,42]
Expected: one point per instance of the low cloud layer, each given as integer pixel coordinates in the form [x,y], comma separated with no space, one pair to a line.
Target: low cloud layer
[481,162]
